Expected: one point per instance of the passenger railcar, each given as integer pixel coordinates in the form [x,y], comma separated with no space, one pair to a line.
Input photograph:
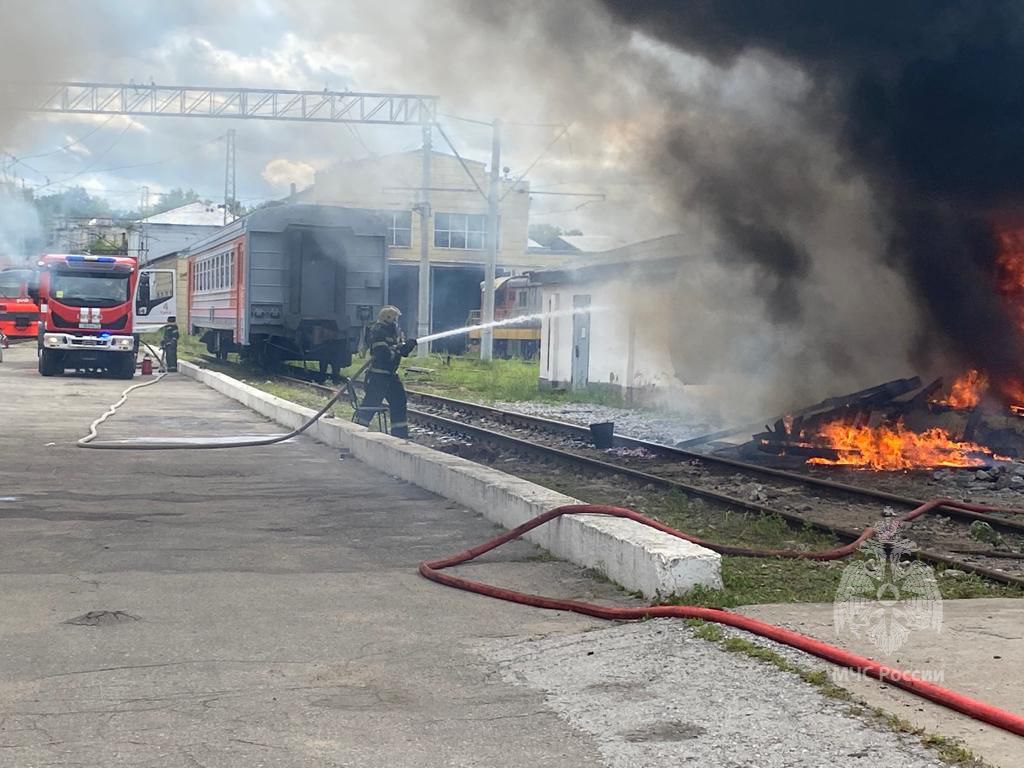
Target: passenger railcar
[289,283]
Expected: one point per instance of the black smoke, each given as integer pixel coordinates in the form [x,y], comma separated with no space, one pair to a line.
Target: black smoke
[926,100]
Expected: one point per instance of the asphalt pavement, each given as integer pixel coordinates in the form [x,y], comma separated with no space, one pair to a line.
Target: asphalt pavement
[261,607]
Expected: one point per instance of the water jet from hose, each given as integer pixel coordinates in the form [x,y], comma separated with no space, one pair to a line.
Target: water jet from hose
[510,321]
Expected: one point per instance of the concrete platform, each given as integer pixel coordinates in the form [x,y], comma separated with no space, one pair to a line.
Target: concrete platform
[274,614]
[637,557]
[979,651]
[270,615]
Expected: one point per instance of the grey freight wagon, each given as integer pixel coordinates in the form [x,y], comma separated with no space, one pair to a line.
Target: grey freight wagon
[289,283]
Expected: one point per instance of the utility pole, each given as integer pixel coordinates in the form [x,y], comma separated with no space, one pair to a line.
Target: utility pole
[493,200]
[229,176]
[423,300]
[143,254]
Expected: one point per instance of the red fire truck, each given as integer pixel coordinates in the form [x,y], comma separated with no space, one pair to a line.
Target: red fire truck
[92,309]
[19,312]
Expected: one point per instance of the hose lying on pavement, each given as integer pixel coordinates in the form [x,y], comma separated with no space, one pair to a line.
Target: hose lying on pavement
[979,710]
[197,443]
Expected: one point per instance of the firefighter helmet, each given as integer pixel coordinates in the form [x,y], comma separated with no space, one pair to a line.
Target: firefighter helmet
[389,314]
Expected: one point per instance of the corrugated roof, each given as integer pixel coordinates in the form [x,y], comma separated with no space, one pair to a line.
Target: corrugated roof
[190,215]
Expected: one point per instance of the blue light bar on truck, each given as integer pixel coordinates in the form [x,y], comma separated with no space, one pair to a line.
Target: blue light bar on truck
[105,259]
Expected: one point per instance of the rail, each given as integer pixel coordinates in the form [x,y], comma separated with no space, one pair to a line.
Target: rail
[534,447]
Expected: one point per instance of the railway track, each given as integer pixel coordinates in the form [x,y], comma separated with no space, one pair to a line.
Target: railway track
[839,509]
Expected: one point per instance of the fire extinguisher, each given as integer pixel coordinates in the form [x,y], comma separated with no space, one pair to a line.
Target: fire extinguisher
[147,366]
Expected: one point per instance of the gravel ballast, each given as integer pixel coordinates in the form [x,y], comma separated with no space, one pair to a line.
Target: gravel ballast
[647,425]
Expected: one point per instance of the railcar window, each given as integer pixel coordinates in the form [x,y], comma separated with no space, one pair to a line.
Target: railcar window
[215,273]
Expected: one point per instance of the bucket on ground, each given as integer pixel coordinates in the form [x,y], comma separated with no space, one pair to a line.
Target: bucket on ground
[603,434]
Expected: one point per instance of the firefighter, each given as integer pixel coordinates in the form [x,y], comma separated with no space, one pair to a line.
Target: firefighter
[169,343]
[382,383]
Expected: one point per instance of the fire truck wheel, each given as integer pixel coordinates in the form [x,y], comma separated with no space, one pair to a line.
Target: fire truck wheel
[124,367]
[51,363]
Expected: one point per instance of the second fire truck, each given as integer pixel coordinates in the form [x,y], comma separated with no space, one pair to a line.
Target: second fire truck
[92,309]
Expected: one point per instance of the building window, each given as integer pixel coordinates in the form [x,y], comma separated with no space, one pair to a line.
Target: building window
[461,231]
[399,228]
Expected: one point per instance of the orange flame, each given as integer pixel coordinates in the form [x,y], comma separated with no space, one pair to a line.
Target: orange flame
[896,447]
[1010,276]
[1010,261]
[1014,391]
[966,390]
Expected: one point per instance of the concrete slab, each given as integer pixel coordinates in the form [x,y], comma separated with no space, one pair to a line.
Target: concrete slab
[636,557]
[272,614]
[654,695]
[979,651]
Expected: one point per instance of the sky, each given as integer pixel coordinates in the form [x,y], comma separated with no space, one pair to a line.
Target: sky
[745,155]
[267,43]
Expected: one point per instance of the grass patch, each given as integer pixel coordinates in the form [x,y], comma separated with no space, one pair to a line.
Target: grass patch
[950,751]
[818,678]
[947,750]
[465,377]
[755,580]
[470,378]
[189,348]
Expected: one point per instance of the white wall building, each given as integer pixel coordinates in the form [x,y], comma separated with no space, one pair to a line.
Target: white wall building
[613,324]
[164,233]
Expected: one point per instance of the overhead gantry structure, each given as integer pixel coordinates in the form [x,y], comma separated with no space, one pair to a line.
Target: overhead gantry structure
[324,106]
[282,104]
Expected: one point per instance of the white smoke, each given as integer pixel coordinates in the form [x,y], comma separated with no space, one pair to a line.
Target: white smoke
[20,230]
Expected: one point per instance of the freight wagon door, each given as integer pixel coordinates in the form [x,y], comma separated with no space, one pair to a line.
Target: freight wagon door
[312,275]
[580,341]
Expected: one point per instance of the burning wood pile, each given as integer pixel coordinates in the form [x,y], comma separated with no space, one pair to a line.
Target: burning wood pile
[974,421]
[902,425]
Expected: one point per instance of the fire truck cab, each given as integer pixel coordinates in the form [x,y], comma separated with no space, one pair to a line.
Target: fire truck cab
[92,309]
[19,312]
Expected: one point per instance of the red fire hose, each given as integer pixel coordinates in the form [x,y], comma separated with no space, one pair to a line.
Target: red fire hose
[979,710]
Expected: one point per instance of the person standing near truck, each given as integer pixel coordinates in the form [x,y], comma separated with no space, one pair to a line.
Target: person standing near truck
[382,381]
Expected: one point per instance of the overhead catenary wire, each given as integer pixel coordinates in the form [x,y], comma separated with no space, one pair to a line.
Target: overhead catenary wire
[530,167]
[92,169]
[89,168]
[67,146]
[461,161]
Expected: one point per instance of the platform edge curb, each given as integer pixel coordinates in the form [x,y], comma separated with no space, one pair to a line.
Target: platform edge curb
[637,558]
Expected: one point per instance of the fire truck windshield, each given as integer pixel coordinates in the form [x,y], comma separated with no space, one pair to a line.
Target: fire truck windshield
[13,282]
[89,289]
